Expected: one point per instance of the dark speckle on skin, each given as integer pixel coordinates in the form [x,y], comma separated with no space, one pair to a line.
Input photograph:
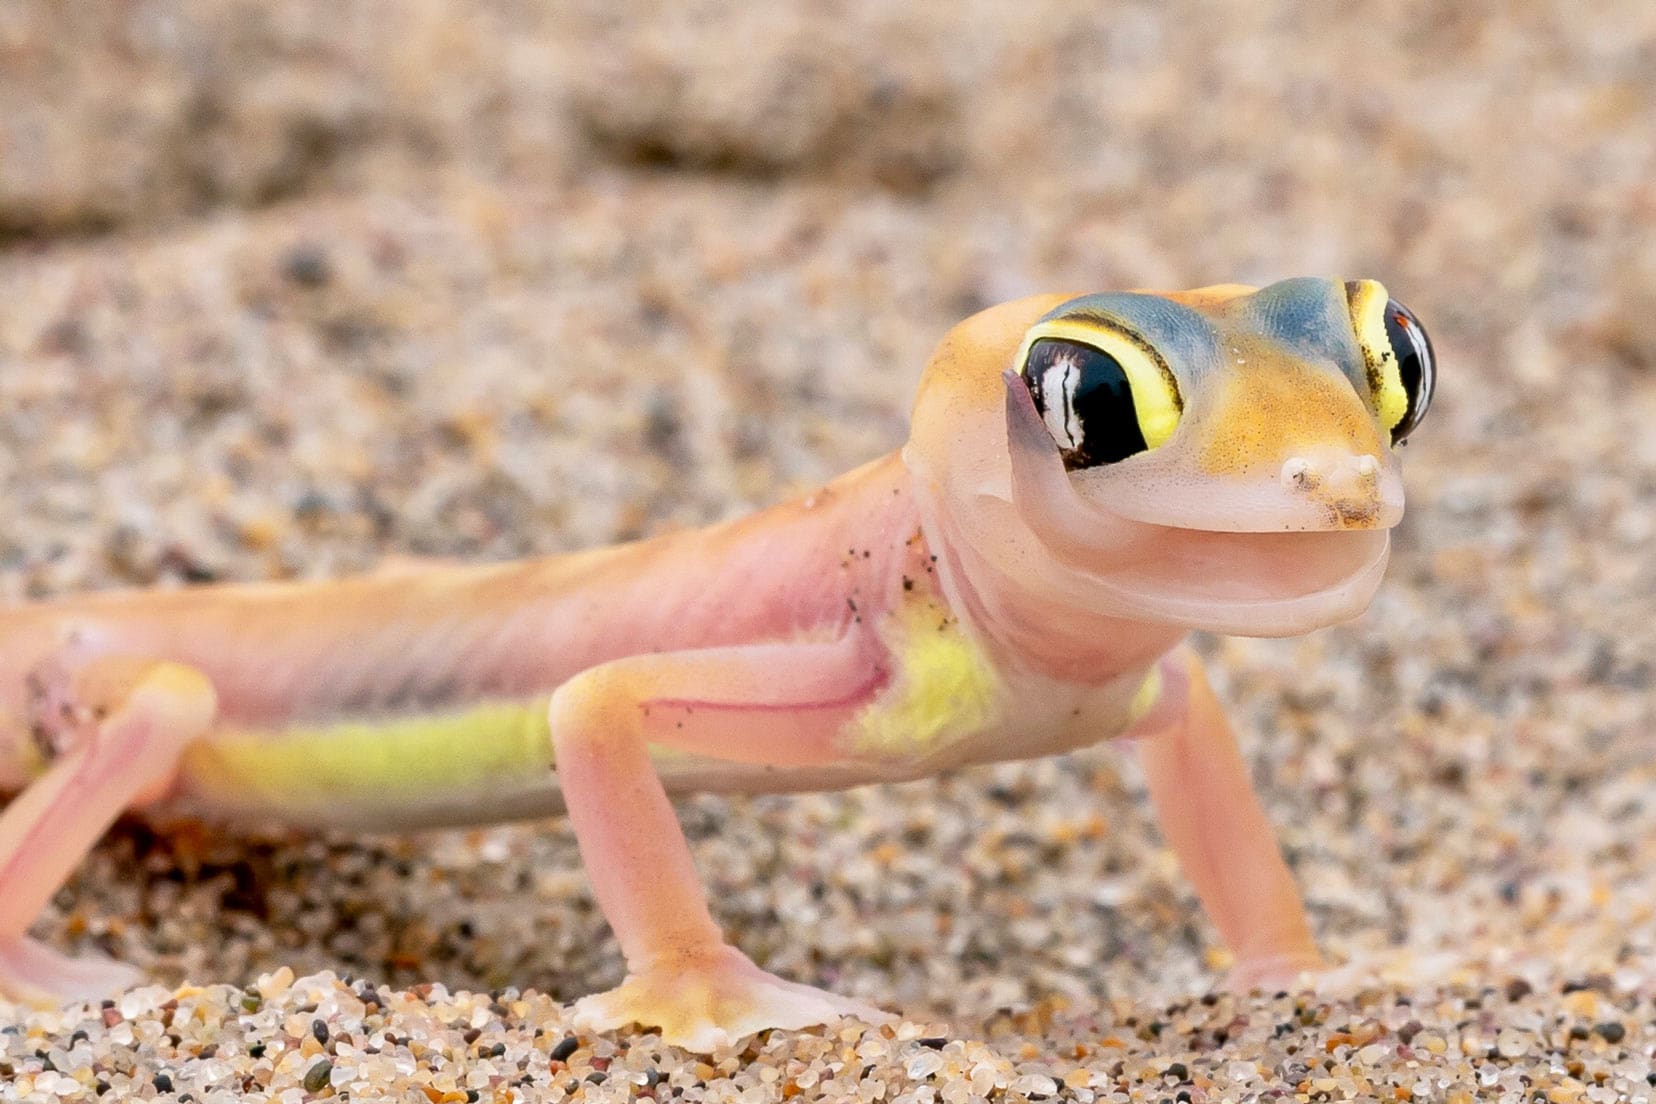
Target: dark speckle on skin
[43,741]
[1354,516]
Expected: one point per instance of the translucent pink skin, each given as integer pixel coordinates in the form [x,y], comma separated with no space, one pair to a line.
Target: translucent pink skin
[748,649]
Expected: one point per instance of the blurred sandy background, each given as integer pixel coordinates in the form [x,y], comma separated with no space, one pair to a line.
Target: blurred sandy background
[285,289]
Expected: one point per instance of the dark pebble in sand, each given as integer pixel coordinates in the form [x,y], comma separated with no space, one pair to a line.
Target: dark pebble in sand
[307,266]
[1610,1032]
[317,1076]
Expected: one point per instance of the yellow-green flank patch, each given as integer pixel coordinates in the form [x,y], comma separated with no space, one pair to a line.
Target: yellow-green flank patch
[943,687]
[394,757]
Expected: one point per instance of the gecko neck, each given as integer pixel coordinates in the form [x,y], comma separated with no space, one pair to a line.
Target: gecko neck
[1029,610]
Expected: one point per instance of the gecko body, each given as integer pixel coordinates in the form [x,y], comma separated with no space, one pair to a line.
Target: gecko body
[1087,479]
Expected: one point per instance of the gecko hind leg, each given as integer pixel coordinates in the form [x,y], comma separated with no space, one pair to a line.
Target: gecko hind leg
[781,705]
[123,723]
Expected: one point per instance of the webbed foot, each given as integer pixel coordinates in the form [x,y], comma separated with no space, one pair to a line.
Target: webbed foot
[1275,974]
[714,999]
[33,973]
[1392,968]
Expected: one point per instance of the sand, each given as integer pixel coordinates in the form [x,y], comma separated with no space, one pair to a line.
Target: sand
[289,290]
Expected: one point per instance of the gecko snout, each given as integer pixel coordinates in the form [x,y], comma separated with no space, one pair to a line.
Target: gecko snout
[1349,485]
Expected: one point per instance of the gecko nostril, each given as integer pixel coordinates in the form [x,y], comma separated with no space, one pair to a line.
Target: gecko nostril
[1299,474]
[1342,477]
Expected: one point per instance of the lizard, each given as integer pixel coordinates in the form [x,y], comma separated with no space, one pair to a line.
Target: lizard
[1088,479]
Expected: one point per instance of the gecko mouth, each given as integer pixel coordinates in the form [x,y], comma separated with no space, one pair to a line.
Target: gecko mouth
[1239,582]
[1256,584]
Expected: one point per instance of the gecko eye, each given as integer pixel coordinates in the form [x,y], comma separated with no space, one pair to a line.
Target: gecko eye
[1101,404]
[1397,355]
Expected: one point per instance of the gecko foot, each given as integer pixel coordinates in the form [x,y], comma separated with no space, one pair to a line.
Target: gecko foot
[713,1000]
[34,974]
[1278,973]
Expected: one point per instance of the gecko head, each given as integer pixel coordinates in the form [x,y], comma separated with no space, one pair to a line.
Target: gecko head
[1224,458]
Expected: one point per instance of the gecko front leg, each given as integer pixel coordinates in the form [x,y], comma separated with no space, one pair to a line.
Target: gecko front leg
[1207,808]
[121,724]
[779,704]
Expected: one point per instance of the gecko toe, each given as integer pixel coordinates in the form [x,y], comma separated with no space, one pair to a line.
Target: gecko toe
[714,1001]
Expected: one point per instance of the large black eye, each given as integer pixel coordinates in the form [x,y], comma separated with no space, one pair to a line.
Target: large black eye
[1416,366]
[1085,400]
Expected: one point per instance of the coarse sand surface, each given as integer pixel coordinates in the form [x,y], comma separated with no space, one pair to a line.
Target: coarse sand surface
[288,290]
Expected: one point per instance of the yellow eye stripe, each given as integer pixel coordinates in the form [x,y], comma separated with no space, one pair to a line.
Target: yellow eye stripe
[1156,399]
[1367,299]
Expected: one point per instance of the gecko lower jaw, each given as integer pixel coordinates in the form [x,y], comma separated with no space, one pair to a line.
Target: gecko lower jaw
[1256,584]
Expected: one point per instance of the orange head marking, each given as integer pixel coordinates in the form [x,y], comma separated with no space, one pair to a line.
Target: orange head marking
[1273,407]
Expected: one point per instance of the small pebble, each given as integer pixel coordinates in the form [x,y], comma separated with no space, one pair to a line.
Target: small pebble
[316,1077]
[923,1065]
[1610,1032]
[307,266]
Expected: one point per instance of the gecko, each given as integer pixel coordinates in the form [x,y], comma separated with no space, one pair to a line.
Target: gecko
[1088,479]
